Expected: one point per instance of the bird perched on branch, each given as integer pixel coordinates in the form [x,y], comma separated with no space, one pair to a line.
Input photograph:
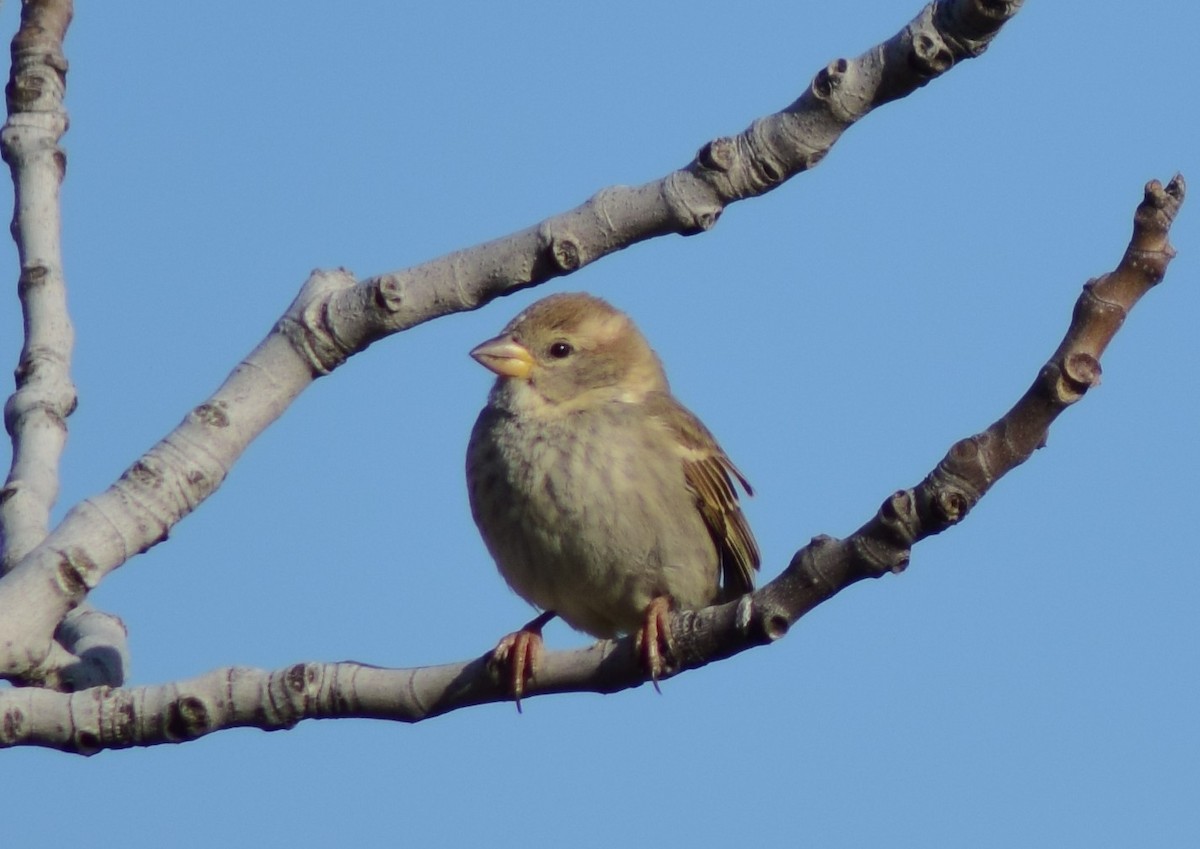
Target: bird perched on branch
[602,499]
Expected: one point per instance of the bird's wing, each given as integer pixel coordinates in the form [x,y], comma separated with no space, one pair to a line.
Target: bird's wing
[708,472]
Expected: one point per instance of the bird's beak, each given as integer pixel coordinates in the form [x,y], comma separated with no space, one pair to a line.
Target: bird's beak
[505,357]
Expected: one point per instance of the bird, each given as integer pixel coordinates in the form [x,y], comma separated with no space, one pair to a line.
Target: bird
[602,499]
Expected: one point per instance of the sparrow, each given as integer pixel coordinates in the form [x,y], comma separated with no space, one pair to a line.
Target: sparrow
[602,499]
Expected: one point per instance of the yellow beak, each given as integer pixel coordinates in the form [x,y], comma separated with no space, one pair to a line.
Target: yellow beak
[505,357]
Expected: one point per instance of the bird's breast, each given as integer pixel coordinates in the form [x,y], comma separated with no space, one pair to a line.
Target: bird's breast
[588,514]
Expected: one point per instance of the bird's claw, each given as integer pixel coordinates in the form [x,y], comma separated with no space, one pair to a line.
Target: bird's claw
[516,656]
[654,641]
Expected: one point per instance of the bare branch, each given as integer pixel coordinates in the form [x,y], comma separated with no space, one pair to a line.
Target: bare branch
[335,317]
[162,487]
[106,718]
[770,151]
[36,413]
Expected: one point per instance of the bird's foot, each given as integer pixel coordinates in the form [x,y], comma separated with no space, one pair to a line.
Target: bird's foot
[654,642]
[516,656]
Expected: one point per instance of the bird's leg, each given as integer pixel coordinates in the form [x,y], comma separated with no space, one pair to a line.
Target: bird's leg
[516,655]
[654,640]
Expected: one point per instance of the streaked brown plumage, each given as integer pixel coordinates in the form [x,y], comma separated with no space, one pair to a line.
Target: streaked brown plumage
[601,498]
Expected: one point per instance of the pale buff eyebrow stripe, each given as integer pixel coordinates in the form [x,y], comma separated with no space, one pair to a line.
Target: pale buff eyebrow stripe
[605,328]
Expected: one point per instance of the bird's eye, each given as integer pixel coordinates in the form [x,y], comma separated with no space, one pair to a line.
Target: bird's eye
[561,350]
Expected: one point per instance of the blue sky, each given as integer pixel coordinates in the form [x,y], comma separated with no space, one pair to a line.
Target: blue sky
[1031,680]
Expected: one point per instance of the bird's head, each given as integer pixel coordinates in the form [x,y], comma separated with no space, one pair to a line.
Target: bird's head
[573,346]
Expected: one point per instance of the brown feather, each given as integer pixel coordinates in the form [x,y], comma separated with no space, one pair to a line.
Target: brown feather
[708,470]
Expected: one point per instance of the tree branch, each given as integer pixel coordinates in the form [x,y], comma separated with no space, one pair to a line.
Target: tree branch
[36,413]
[236,697]
[335,317]
[770,151]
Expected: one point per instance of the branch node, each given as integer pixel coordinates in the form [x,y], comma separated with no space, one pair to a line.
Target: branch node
[717,155]
[952,504]
[930,56]
[1081,372]
[952,488]
[187,718]
[767,168]
[308,324]
[566,252]
[775,626]
[806,568]
[389,293]
[887,546]
[968,28]
[760,621]
[694,213]
[212,414]
[12,724]
[31,277]
[743,614]
[87,743]
[301,679]
[1151,264]
[967,451]
[75,569]
[900,521]
[828,80]
[146,472]
[876,556]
